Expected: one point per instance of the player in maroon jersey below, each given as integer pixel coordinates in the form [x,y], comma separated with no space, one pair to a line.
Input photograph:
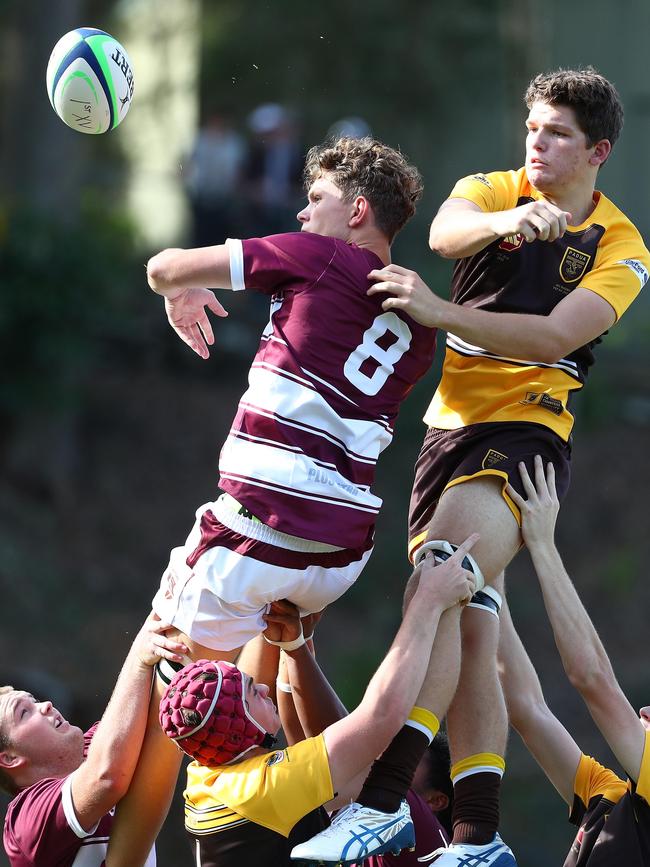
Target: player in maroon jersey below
[65,783]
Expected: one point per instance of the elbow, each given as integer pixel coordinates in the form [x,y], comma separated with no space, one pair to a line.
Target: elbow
[112,787]
[591,673]
[550,354]
[528,718]
[523,711]
[158,272]
[439,245]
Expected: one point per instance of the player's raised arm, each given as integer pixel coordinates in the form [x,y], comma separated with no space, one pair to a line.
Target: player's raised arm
[578,319]
[355,741]
[99,783]
[583,655]
[182,277]
[545,737]
[461,228]
[173,270]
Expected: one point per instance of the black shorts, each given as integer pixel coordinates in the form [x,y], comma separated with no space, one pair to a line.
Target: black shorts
[449,457]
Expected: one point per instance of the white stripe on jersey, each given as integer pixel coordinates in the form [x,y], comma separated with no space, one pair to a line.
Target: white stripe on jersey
[275,394]
[454,342]
[290,473]
[295,449]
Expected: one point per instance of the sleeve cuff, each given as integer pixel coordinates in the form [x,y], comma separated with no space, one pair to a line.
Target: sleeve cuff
[68,809]
[236,253]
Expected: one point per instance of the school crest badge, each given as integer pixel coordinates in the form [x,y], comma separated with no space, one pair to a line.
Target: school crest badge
[511,243]
[574,264]
[492,457]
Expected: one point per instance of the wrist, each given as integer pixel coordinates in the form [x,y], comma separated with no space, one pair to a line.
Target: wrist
[288,646]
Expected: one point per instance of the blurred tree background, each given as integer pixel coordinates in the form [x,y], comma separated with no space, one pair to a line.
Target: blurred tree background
[110,429]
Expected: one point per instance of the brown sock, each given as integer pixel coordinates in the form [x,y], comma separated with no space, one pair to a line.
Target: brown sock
[392,773]
[475,817]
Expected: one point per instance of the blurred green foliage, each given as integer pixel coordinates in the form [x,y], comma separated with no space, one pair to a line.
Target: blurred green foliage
[67,285]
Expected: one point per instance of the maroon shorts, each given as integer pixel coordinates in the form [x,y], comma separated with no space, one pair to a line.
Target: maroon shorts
[449,457]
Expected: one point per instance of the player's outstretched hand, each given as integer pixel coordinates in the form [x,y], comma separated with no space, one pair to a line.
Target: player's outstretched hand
[408,292]
[151,643]
[447,582]
[536,221]
[187,315]
[538,512]
[282,622]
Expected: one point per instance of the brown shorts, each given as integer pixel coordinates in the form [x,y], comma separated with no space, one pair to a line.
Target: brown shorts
[450,457]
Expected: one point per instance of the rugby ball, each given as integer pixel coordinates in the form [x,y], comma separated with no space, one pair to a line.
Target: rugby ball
[90,80]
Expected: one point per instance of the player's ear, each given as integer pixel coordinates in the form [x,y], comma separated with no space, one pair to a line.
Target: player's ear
[601,151]
[437,800]
[361,210]
[9,760]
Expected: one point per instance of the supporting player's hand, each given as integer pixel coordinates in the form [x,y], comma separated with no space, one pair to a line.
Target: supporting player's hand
[536,221]
[408,292]
[151,643]
[282,621]
[187,315]
[538,512]
[447,583]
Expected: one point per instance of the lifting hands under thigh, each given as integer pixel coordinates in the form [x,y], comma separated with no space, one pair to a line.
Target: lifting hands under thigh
[478,506]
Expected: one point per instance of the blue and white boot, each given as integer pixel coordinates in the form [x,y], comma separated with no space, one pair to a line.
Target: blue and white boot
[494,854]
[357,832]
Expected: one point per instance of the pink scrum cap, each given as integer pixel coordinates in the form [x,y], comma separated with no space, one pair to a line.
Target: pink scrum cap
[203,710]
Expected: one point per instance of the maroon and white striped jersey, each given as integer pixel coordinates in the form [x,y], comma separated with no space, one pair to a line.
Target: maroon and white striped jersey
[42,830]
[324,388]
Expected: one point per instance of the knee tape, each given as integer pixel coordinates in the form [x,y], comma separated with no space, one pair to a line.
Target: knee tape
[488,599]
[443,550]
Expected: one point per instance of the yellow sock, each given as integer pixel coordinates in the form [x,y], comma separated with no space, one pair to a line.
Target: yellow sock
[424,721]
[477,764]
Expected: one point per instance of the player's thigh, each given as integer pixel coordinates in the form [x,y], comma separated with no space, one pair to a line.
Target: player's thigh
[478,506]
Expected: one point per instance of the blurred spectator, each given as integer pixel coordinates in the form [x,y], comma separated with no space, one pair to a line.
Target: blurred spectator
[214,171]
[350,127]
[273,171]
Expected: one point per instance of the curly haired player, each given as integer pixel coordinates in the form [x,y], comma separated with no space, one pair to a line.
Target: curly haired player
[297,515]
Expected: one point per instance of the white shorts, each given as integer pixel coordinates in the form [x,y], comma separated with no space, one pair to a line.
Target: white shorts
[220,583]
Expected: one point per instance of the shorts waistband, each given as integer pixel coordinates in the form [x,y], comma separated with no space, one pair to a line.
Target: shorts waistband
[240,520]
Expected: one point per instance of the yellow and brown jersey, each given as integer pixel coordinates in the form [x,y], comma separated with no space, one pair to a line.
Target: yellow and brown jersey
[266,805]
[605,254]
[613,817]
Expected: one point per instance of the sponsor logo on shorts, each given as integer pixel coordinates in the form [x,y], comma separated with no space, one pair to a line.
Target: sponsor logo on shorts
[545,401]
[511,243]
[492,457]
[639,269]
[275,758]
[574,264]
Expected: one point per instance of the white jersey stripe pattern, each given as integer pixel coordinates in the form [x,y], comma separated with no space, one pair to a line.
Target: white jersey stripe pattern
[324,389]
[465,348]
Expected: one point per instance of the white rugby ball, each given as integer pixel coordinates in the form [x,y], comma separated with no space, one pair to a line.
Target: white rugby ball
[90,80]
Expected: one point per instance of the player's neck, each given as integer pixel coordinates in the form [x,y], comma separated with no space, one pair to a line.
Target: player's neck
[579,203]
[577,200]
[377,244]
